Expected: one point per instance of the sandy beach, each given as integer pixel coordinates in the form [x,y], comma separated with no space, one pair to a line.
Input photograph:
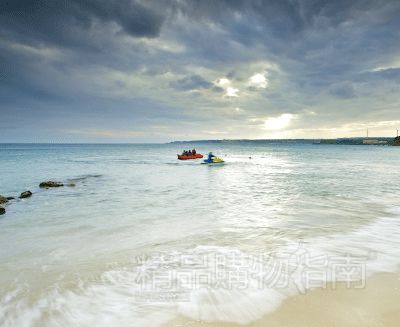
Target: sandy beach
[377,305]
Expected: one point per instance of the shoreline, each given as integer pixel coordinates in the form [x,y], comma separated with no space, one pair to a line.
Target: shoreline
[376,305]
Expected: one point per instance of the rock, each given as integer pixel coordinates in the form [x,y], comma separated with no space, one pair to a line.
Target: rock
[396,141]
[26,194]
[48,184]
[10,198]
[2,211]
[3,199]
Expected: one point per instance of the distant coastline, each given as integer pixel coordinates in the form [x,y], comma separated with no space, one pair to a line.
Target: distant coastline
[342,141]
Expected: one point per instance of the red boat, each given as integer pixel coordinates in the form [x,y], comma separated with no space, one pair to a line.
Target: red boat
[193,156]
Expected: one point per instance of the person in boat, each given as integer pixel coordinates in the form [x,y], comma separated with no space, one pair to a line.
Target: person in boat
[194,152]
[189,153]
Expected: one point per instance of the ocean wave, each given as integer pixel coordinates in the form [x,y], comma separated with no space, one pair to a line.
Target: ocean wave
[210,283]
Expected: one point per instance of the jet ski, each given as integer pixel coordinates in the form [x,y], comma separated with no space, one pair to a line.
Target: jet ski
[213,160]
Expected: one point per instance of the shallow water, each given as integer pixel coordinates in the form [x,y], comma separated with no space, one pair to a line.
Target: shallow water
[143,238]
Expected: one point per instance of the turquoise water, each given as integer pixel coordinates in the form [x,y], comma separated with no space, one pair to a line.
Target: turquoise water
[72,255]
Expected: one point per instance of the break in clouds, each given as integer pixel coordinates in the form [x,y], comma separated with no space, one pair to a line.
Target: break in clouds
[123,70]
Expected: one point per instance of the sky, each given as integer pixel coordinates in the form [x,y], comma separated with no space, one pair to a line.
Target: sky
[159,71]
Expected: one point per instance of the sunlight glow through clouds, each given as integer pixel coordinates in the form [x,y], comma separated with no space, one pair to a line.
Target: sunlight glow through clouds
[279,122]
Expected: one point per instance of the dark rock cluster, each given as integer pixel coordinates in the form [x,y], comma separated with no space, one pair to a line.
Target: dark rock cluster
[26,194]
[396,141]
[49,184]
[4,201]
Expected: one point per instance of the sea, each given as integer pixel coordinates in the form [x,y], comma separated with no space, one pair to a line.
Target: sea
[139,238]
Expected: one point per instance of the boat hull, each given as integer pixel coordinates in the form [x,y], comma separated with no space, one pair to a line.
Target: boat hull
[192,157]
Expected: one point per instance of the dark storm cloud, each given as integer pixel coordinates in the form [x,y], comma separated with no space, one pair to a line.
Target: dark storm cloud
[277,18]
[61,22]
[191,82]
[82,33]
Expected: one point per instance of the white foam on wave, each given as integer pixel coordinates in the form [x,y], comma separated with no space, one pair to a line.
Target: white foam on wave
[200,278]
[231,287]
[378,243]
[208,283]
[15,312]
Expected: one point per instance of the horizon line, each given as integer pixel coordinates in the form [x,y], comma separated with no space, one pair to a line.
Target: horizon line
[199,140]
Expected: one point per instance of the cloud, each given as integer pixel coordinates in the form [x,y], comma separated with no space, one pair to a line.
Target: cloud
[342,90]
[225,84]
[258,81]
[104,133]
[191,82]
[87,64]
[58,21]
[231,92]
[384,74]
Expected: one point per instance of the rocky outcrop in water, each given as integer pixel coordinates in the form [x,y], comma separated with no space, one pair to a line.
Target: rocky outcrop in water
[396,141]
[3,199]
[49,184]
[26,194]
[45,184]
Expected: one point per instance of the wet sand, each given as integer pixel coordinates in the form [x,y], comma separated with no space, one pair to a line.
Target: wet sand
[377,305]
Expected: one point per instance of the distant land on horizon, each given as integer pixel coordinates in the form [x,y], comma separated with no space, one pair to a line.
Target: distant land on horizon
[343,140]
